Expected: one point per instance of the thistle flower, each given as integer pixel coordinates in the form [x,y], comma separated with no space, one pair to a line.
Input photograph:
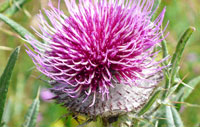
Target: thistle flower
[100,58]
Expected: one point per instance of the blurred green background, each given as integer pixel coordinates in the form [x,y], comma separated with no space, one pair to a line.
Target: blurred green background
[24,84]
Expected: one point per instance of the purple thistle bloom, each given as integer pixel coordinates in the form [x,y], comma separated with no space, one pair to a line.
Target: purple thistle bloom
[101,57]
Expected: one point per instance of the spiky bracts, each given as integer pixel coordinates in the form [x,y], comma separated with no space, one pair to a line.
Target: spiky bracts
[101,56]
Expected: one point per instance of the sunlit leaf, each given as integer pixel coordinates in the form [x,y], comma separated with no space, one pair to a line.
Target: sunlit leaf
[5,79]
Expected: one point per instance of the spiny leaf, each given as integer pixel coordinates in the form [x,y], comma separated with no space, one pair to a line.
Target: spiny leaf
[16,27]
[5,79]
[31,116]
[179,51]
[150,103]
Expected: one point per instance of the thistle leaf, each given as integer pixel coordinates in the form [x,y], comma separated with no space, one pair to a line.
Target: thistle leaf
[5,79]
[16,27]
[179,52]
[31,116]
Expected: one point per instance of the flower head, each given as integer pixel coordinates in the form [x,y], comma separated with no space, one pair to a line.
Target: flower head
[100,57]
